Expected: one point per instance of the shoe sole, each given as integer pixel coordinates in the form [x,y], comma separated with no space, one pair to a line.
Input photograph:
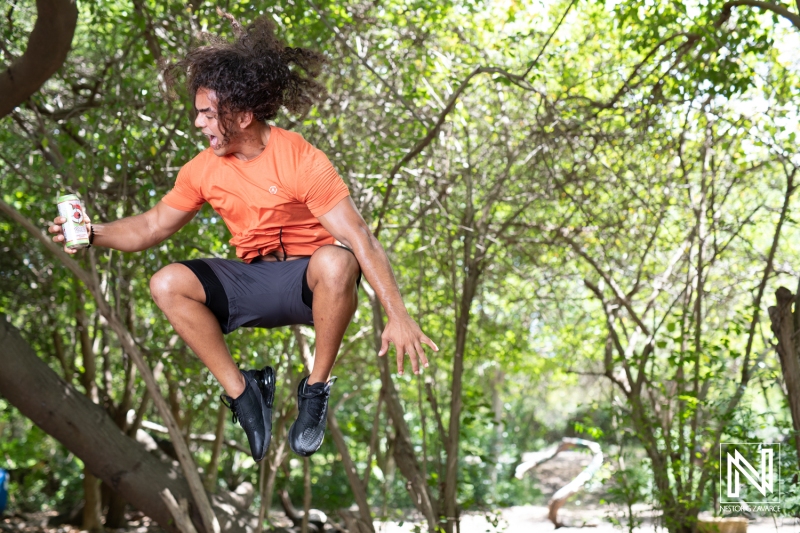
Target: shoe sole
[302,453]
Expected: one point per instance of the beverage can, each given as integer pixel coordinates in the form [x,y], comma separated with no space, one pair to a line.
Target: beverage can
[76,235]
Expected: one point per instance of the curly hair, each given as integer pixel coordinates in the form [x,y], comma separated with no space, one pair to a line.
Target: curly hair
[256,72]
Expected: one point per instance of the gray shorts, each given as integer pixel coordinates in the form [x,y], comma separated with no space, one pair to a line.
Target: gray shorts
[261,294]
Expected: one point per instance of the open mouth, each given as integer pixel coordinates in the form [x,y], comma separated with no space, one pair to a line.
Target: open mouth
[213,140]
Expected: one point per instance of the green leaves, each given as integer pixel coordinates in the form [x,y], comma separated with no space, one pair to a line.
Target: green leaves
[644,128]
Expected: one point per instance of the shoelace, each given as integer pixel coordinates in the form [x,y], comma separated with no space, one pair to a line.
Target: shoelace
[230,405]
[316,408]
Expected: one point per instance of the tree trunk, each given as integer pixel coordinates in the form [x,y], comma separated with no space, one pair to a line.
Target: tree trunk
[784,325]
[404,454]
[58,345]
[92,508]
[275,459]
[306,494]
[219,438]
[456,403]
[89,374]
[92,521]
[497,439]
[87,431]
[121,413]
[356,485]
[115,516]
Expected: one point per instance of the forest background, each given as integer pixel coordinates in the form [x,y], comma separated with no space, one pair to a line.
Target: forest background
[589,207]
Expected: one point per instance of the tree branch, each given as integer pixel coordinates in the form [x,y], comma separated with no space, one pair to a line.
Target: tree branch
[149,32]
[614,337]
[343,40]
[746,367]
[437,415]
[768,6]
[47,50]
[517,79]
[618,292]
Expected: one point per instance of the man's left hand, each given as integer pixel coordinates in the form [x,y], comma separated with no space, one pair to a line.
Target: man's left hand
[407,338]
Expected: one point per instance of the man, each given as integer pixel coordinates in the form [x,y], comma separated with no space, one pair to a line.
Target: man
[286,208]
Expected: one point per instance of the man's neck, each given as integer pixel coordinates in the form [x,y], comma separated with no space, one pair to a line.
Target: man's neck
[251,142]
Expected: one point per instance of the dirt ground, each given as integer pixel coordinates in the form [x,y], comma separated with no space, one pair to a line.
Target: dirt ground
[533,519]
[522,519]
[588,517]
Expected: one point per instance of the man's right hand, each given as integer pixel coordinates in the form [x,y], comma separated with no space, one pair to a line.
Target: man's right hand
[131,234]
[58,231]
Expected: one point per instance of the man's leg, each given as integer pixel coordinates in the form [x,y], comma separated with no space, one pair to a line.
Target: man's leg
[332,275]
[178,292]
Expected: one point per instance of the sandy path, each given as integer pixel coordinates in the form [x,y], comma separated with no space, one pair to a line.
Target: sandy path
[533,519]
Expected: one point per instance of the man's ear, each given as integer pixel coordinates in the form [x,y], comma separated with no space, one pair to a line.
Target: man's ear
[244,119]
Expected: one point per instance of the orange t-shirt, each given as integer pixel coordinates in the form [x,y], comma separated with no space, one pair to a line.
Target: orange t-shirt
[275,197]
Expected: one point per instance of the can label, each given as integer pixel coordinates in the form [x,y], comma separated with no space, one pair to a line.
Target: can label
[75,233]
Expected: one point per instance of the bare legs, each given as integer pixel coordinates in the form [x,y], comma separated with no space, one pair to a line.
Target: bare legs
[332,275]
[178,292]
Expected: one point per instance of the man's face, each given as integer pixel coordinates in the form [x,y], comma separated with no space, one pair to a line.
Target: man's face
[205,102]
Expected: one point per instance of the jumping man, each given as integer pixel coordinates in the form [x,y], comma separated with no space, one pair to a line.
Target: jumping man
[301,242]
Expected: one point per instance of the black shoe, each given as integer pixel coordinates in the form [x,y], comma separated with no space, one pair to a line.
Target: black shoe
[253,409]
[305,435]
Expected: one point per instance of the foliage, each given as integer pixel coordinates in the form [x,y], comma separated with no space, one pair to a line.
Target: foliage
[594,240]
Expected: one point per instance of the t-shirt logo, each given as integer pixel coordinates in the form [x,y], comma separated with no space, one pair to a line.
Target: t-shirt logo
[273,190]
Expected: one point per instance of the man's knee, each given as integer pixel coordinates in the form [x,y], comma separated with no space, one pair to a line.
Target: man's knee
[334,267]
[172,281]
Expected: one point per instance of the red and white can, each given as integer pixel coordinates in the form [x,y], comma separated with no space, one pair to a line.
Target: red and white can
[76,234]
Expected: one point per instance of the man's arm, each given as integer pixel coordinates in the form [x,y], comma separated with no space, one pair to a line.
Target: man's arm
[345,223]
[136,233]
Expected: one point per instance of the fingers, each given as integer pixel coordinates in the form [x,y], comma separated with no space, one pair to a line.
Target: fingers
[430,343]
[400,357]
[421,354]
[384,346]
[407,343]
[412,354]
[57,231]
[415,353]
[56,227]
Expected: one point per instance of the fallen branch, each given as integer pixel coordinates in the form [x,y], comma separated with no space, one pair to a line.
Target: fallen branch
[86,430]
[203,437]
[180,512]
[208,520]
